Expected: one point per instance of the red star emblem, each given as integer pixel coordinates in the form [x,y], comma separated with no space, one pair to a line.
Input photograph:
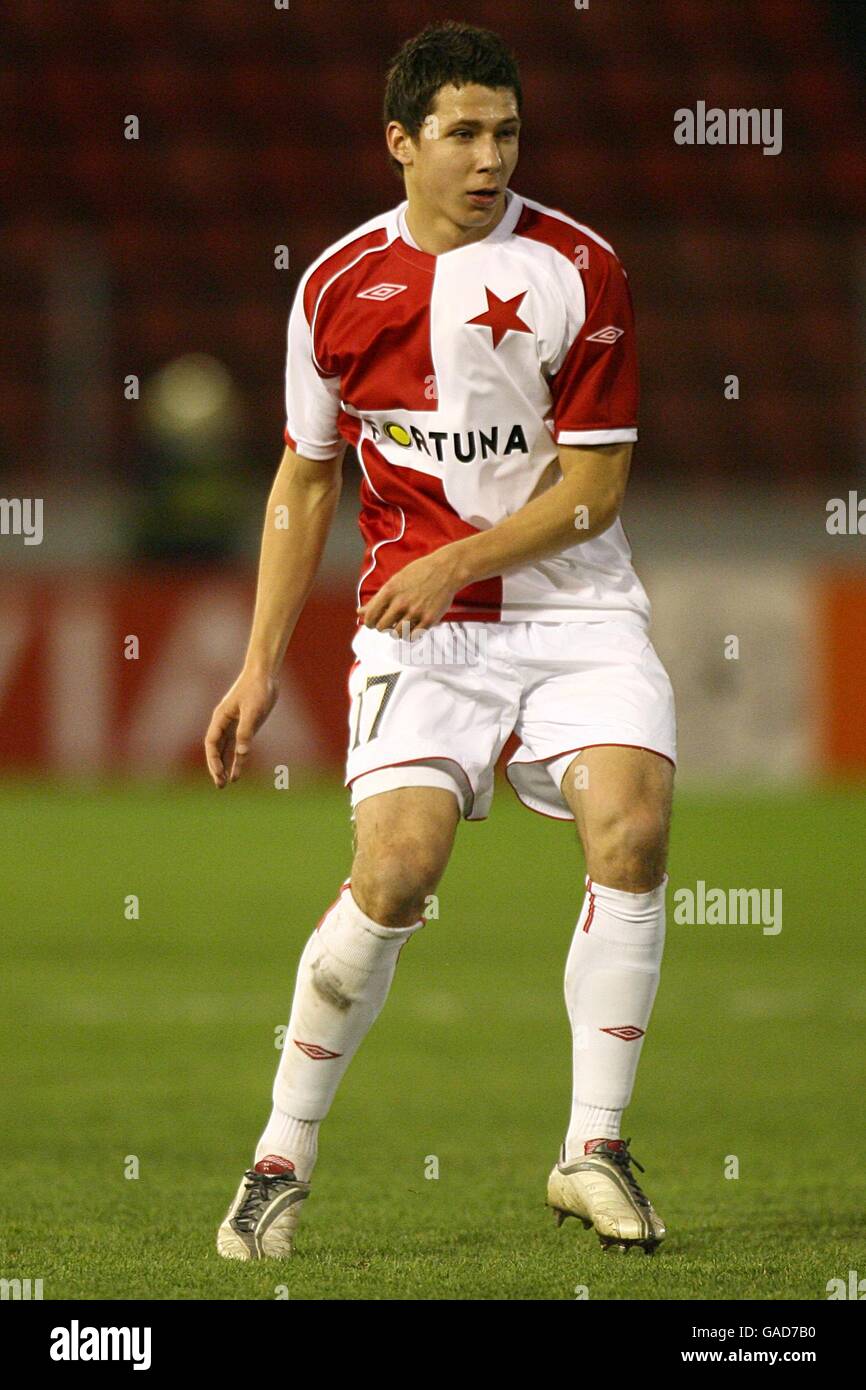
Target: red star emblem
[501,314]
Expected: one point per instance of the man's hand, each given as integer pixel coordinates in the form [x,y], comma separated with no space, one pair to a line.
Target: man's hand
[235,720]
[418,595]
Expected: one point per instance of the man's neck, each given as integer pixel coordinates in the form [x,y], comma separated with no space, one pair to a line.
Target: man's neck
[434,233]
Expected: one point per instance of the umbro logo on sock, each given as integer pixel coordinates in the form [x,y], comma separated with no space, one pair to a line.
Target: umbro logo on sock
[627,1032]
[318,1054]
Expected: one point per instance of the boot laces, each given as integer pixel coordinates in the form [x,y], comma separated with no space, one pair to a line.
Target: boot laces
[622,1158]
[262,1188]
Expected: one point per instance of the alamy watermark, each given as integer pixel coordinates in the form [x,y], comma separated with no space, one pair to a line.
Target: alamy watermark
[736,126]
[453,644]
[22,516]
[720,907]
[77,1343]
[854,1288]
[16,1289]
[846,517]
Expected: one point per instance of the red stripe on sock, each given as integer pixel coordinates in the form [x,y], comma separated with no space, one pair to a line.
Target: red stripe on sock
[333,904]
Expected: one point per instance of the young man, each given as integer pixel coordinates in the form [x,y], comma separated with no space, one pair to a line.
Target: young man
[478,351]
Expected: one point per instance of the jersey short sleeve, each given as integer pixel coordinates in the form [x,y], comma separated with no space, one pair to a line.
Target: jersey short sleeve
[312,398]
[595,390]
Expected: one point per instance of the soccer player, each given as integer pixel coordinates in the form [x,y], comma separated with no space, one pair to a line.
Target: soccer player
[478,351]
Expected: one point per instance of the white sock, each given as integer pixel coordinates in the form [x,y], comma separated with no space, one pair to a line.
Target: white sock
[591,1122]
[344,974]
[611,978]
[297,1140]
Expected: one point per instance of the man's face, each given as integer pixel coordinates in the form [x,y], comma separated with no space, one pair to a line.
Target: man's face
[468,142]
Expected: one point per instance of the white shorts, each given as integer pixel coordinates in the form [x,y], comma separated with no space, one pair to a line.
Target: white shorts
[438,710]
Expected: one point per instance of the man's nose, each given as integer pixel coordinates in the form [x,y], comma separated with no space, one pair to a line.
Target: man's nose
[490,158]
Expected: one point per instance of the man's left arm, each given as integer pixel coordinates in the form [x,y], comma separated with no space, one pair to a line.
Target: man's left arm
[582,504]
[585,502]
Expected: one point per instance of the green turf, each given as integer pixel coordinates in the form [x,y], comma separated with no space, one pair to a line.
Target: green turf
[155,1038]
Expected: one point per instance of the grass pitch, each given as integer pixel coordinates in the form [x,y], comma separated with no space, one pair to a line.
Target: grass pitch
[150,1043]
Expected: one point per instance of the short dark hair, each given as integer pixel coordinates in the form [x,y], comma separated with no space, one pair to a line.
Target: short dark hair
[442,54]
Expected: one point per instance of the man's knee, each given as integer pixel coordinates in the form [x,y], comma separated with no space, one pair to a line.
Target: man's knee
[392,882]
[628,850]
[403,841]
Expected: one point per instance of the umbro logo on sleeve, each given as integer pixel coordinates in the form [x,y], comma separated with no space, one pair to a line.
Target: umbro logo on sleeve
[383,291]
[605,335]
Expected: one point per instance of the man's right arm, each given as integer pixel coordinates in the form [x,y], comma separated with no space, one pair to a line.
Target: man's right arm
[298,518]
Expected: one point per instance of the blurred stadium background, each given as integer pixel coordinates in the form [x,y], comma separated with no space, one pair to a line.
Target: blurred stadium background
[259,128]
[141,397]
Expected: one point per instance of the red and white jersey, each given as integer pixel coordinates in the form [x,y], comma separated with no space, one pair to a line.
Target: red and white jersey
[455,377]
